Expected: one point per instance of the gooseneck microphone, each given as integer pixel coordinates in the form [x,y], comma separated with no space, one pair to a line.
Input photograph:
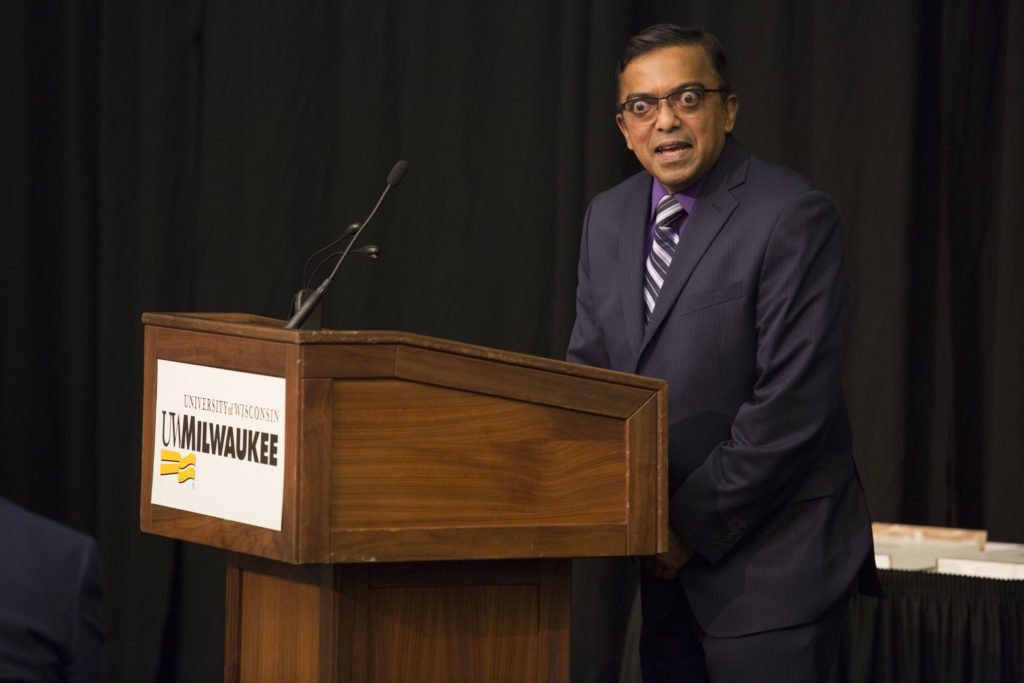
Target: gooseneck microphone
[307,275]
[310,302]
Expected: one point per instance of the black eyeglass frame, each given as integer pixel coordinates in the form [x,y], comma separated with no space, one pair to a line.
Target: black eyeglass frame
[667,98]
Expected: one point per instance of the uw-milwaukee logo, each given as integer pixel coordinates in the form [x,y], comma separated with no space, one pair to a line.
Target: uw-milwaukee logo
[171,462]
[187,433]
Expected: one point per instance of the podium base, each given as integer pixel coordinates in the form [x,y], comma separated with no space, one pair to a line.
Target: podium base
[498,620]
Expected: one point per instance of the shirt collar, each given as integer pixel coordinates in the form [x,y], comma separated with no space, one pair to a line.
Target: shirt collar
[687,198]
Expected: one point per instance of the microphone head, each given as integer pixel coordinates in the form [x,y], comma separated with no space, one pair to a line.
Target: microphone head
[397,172]
[371,250]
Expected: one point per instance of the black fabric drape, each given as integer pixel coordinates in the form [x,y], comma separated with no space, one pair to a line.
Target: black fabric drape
[189,155]
[934,628]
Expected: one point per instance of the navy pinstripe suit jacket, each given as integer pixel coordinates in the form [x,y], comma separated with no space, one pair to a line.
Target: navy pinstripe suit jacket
[750,332]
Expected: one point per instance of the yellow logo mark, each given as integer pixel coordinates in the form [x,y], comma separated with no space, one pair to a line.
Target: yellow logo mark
[171,462]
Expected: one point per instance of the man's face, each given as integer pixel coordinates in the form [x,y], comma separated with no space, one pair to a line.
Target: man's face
[677,147]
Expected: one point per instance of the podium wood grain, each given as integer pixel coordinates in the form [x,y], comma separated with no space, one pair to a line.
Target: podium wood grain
[382,623]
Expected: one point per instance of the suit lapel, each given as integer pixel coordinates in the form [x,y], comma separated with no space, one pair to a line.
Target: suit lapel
[635,214]
[714,205]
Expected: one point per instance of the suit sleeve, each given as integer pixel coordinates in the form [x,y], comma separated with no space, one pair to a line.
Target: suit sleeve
[780,432]
[586,344]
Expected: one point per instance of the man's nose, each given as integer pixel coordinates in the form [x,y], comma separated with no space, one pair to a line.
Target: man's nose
[667,117]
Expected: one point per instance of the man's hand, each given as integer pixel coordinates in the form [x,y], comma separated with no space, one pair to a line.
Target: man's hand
[667,564]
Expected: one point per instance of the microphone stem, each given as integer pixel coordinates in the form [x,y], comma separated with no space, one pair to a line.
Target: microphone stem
[355,237]
[310,303]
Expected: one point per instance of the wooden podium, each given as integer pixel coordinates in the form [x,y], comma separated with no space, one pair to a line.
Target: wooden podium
[434,493]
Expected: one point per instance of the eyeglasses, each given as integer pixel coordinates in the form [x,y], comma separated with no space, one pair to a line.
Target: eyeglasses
[684,100]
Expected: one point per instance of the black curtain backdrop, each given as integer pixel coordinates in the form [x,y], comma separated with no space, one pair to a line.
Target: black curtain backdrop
[181,155]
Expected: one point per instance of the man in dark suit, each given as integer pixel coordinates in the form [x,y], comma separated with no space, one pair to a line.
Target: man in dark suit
[50,628]
[724,275]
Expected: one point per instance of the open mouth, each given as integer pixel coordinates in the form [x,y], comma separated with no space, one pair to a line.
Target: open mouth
[670,151]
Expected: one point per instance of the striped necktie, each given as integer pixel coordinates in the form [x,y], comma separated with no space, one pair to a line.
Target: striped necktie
[666,217]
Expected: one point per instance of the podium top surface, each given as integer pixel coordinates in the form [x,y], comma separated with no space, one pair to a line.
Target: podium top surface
[271,329]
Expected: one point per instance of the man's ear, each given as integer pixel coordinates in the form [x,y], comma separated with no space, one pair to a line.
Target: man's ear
[625,131]
[732,106]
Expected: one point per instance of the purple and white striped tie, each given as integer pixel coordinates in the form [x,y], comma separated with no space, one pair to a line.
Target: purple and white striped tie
[666,217]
